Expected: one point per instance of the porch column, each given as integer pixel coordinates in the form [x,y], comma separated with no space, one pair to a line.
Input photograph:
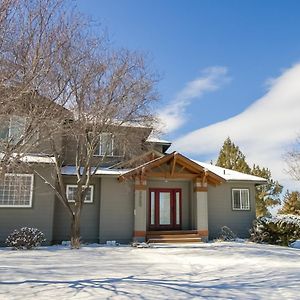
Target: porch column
[200,192]
[140,210]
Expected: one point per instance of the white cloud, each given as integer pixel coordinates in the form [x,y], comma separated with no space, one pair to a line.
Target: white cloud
[263,131]
[173,115]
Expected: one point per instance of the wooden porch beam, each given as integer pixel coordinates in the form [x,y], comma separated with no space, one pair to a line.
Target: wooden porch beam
[173,165]
[168,175]
[190,166]
[181,169]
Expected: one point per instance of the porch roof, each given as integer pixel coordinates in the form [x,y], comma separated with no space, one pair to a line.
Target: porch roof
[231,175]
[188,169]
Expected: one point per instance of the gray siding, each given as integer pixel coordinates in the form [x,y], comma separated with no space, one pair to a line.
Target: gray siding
[220,212]
[42,144]
[40,215]
[89,217]
[116,211]
[186,198]
[131,140]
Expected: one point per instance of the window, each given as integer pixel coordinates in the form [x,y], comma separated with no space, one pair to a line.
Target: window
[12,129]
[240,199]
[71,193]
[16,190]
[108,145]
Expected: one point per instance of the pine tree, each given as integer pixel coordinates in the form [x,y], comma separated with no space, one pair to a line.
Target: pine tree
[291,203]
[267,195]
[231,157]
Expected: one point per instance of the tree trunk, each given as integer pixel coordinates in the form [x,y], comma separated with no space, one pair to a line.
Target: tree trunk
[75,230]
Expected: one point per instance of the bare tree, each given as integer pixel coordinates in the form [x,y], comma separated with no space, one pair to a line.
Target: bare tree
[78,87]
[292,159]
[32,38]
[105,96]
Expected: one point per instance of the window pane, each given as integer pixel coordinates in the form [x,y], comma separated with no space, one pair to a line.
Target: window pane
[118,146]
[4,129]
[177,208]
[16,190]
[236,199]
[17,128]
[106,144]
[245,199]
[72,190]
[152,208]
[164,208]
[88,197]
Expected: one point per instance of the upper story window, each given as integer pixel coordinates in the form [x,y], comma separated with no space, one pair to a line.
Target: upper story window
[72,190]
[12,128]
[108,145]
[240,199]
[16,190]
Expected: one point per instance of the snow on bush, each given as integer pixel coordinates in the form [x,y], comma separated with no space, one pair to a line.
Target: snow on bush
[140,245]
[278,230]
[25,238]
[227,234]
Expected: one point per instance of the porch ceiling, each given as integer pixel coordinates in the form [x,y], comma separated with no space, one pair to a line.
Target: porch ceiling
[173,165]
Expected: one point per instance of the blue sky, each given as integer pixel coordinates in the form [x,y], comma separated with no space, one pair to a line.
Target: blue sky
[216,60]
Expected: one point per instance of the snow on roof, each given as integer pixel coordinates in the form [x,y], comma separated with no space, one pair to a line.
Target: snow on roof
[34,158]
[38,159]
[157,140]
[230,175]
[226,174]
[71,170]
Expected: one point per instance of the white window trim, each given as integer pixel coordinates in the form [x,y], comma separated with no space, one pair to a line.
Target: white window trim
[100,146]
[31,191]
[75,186]
[240,190]
[112,154]
[11,125]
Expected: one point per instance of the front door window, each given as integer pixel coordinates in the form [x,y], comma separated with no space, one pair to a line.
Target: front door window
[165,209]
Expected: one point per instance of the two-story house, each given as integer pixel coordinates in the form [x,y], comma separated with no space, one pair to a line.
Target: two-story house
[154,195]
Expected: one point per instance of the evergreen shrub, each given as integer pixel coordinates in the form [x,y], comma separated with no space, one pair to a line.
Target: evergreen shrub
[278,230]
[25,238]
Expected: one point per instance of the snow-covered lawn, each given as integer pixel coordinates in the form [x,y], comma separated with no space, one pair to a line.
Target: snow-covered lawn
[203,271]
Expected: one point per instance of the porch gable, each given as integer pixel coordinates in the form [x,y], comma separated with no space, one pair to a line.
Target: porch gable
[172,166]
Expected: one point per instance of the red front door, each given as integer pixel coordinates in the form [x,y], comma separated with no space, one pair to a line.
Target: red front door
[164,209]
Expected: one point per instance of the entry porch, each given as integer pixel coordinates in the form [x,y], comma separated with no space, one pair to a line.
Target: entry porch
[170,199]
